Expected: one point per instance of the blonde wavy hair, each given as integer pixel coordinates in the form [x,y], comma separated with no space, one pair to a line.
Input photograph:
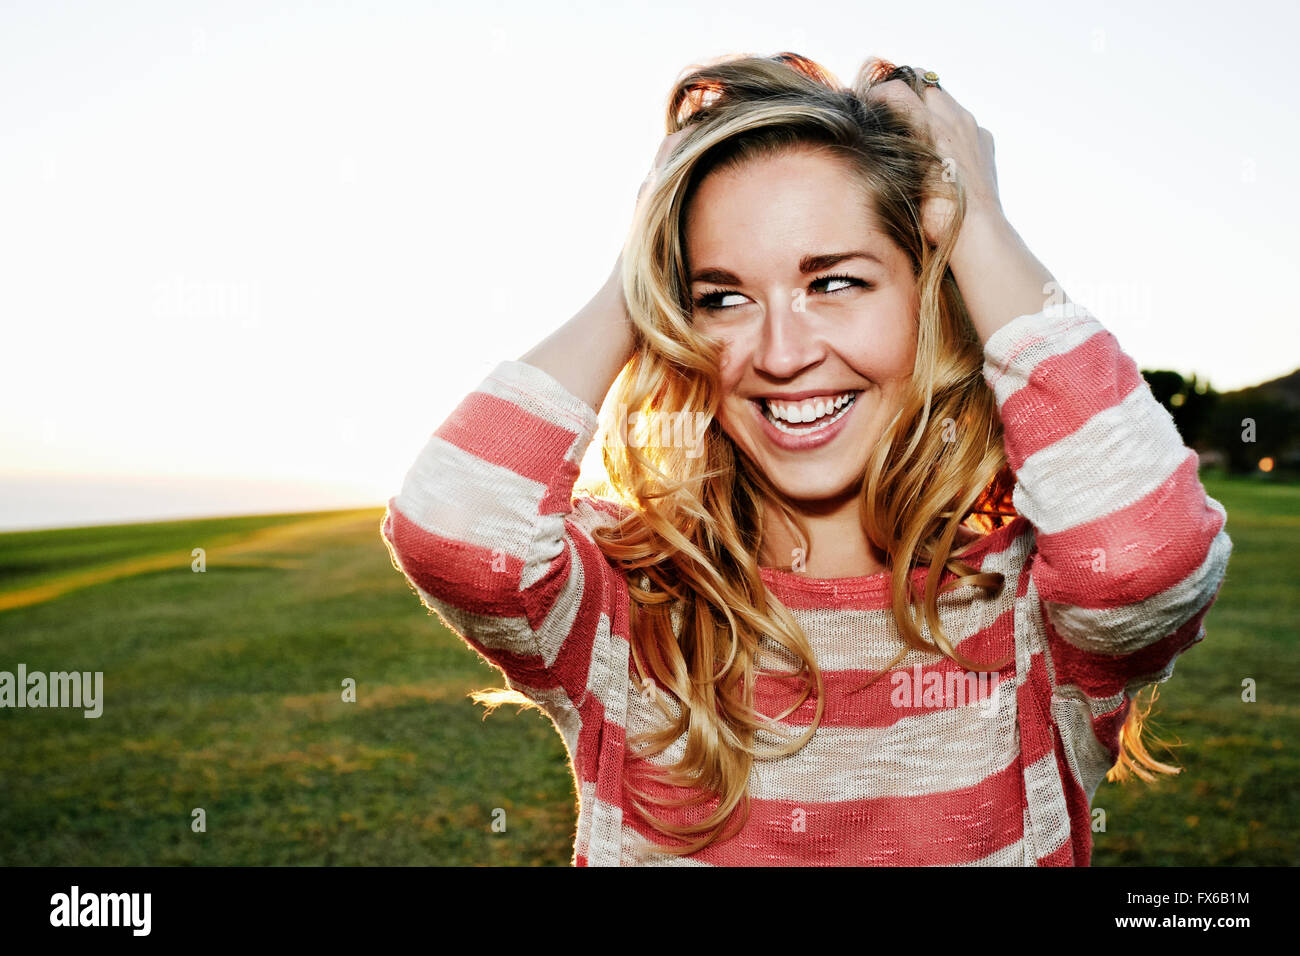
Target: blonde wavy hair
[691,535]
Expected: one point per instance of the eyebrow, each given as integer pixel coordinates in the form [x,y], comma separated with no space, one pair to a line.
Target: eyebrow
[807,266]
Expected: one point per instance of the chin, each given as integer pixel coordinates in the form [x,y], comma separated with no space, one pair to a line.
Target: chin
[805,476]
[806,479]
[815,486]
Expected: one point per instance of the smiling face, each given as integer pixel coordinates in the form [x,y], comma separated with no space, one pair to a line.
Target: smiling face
[816,309]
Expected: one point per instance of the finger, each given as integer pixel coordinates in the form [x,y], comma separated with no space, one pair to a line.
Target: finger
[928,87]
[900,95]
[941,102]
[945,110]
[669,144]
[898,89]
[935,98]
[666,146]
[909,76]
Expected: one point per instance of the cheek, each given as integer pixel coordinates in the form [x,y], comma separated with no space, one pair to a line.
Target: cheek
[902,356]
[731,367]
[886,350]
[731,364]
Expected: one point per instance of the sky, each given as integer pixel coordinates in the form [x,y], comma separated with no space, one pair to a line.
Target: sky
[253,254]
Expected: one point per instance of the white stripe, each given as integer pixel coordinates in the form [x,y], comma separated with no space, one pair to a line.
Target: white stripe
[456,495]
[538,393]
[1031,851]
[557,705]
[919,755]
[1047,819]
[868,639]
[1009,360]
[609,675]
[1131,627]
[1030,637]
[1087,758]
[1048,815]
[606,835]
[637,851]
[1097,706]
[507,634]
[558,625]
[1116,458]
[586,801]
[501,528]
[927,753]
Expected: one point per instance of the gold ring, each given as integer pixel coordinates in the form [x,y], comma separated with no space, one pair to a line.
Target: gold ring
[930,78]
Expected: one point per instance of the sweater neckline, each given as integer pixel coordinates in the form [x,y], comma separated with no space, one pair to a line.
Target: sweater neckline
[795,589]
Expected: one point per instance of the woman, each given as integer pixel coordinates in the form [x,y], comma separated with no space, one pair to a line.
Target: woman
[819,628]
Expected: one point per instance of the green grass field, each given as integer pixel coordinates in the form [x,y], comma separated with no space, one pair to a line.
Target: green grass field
[223,692]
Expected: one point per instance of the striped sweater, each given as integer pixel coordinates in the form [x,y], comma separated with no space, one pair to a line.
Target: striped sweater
[1114,558]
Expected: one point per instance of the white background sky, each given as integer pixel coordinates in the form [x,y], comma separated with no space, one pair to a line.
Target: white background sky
[252,254]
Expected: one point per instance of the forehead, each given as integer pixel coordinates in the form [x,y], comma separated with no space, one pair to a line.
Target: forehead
[778,208]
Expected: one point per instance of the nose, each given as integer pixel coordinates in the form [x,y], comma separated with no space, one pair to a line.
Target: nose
[787,344]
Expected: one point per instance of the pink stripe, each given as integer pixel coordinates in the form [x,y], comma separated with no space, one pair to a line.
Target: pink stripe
[600,590]
[599,756]
[1060,327]
[956,826]
[848,704]
[559,491]
[1034,715]
[457,578]
[615,508]
[1101,675]
[1077,850]
[609,780]
[541,596]
[1133,553]
[1063,392]
[503,434]
[1106,727]
[455,572]
[1039,737]
[587,757]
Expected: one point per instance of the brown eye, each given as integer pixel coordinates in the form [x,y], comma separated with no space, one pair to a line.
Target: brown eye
[851,280]
[712,301]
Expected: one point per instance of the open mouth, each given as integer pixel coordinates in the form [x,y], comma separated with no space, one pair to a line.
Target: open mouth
[807,415]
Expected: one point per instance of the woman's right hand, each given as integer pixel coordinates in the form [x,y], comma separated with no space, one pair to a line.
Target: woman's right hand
[587,352]
[666,146]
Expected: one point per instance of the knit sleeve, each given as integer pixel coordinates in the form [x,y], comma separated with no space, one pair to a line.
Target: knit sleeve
[1130,551]
[486,531]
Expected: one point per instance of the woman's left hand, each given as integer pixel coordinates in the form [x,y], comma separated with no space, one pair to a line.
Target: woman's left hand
[967,149]
[999,278]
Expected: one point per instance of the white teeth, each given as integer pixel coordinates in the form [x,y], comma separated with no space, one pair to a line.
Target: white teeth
[807,412]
